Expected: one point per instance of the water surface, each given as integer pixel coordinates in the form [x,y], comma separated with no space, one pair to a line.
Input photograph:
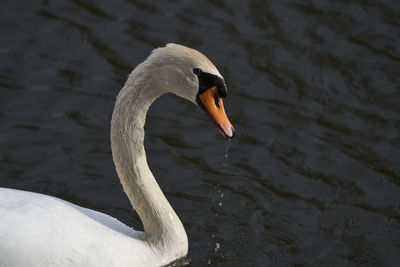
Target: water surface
[312,177]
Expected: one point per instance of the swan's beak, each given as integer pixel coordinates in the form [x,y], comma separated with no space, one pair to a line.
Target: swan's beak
[212,104]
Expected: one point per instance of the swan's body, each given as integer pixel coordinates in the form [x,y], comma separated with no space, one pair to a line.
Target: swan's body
[40,230]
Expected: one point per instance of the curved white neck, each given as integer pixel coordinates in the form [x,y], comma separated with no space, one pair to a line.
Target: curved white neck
[163,229]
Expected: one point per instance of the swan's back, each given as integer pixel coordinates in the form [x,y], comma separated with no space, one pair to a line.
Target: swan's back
[40,230]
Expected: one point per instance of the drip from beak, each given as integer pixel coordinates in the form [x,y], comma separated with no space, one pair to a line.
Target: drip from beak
[212,104]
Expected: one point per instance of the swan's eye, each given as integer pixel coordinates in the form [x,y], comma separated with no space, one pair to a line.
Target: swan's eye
[197,71]
[216,100]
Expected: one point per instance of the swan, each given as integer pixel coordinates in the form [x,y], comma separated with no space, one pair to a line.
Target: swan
[41,230]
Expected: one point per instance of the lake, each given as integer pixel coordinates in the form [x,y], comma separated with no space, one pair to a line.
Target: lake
[312,177]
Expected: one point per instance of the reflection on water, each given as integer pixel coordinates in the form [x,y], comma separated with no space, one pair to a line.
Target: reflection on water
[312,176]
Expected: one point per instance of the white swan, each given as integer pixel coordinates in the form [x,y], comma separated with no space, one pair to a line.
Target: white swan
[40,230]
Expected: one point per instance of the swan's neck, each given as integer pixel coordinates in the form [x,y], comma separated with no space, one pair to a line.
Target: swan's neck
[163,229]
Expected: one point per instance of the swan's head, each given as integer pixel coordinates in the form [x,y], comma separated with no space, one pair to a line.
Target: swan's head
[190,74]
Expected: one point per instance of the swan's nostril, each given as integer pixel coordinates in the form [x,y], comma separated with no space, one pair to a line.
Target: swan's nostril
[216,100]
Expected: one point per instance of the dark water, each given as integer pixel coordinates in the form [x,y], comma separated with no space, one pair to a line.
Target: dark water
[313,175]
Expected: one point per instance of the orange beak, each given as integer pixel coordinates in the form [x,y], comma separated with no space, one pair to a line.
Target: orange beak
[212,104]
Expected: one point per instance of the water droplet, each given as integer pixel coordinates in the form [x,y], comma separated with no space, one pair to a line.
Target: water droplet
[226,154]
[216,246]
[220,204]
